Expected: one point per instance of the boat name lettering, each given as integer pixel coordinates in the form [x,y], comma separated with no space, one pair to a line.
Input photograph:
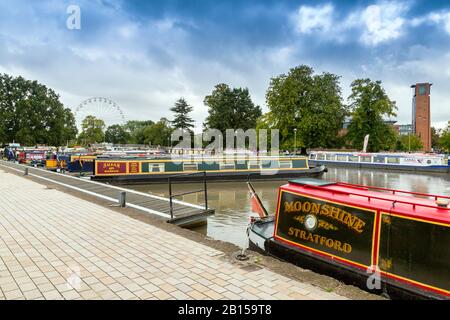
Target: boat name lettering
[320,240]
[346,218]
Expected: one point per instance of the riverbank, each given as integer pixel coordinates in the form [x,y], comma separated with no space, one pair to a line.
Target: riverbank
[57,245]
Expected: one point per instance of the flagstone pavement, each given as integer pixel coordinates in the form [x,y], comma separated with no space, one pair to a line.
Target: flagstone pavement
[57,246]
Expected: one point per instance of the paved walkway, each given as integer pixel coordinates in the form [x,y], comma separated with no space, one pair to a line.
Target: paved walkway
[56,246]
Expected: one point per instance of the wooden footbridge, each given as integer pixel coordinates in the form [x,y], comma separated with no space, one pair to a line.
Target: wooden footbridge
[169,209]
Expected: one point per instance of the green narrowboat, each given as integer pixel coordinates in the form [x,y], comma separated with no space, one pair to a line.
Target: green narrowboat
[223,169]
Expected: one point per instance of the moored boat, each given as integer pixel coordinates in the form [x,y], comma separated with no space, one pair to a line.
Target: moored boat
[417,162]
[382,240]
[215,168]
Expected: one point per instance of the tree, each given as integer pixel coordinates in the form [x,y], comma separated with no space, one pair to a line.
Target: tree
[310,103]
[444,140]
[31,113]
[69,127]
[135,130]
[116,134]
[92,130]
[369,105]
[158,134]
[181,119]
[435,136]
[230,109]
[409,142]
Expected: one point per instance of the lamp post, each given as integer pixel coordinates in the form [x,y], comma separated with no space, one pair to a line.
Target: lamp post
[295,140]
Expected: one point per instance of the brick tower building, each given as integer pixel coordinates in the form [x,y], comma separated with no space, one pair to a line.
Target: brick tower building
[421,118]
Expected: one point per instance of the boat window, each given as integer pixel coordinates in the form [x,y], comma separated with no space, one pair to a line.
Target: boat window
[330,156]
[285,164]
[378,159]
[157,167]
[366,159]
[321,156]
[312,156]
[253,164]
[353,158]
[341,157]
[227,166]
[190,166]
[393,160]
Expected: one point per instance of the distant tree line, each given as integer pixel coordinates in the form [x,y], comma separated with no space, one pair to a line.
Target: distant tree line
[306,107]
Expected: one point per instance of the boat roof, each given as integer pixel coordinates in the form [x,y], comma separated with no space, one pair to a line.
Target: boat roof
[416,205]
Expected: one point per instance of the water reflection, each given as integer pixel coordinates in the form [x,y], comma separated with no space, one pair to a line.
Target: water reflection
[232,200]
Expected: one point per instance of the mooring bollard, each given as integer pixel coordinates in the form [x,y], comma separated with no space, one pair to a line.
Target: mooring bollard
[122,199]
[26,172]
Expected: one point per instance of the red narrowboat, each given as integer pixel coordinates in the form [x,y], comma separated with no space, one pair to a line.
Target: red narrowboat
[382,240]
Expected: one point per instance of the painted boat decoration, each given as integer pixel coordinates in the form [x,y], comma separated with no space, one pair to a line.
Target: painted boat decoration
[382,240]
[158,170]
[395,161]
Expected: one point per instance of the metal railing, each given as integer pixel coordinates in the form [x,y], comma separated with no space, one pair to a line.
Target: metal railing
[171,196]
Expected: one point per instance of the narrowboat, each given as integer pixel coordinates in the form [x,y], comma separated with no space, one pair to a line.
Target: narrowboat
[417,162]
[81,163]
[382,240]
[223,169]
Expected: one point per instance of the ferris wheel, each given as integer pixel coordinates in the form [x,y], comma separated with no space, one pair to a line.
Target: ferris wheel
[101,108]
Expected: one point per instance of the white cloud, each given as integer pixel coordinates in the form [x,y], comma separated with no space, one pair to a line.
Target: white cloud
[318,18]
[375,24]
[383,22]
[441,18]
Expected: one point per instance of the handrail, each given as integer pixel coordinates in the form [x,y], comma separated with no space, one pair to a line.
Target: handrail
[171,196]
[377,198]
[394,191]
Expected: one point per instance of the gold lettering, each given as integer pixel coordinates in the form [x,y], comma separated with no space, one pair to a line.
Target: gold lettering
[347,248]
[291,231]
[306,207]
[359,226]
[315,208]
[324,211]
[288,207]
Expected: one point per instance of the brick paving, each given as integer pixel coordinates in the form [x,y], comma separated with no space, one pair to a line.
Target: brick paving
[56,246]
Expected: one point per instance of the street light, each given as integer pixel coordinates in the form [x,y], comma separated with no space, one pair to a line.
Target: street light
[295,140]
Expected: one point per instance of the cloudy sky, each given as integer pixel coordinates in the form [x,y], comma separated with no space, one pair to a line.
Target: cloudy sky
[144,55]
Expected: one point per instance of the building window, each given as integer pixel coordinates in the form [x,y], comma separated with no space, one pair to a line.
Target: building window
[422,90]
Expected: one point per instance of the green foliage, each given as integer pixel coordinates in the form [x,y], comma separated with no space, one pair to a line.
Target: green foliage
[117,134]
[181,119]
[230,109]
[369,105]
[31,113]
[92,131]
[135,130]
[444,140]
[306,102]
[158,134]
[435,136]
[409,142]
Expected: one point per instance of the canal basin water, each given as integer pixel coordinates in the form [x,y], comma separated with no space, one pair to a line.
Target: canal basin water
[231,200]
